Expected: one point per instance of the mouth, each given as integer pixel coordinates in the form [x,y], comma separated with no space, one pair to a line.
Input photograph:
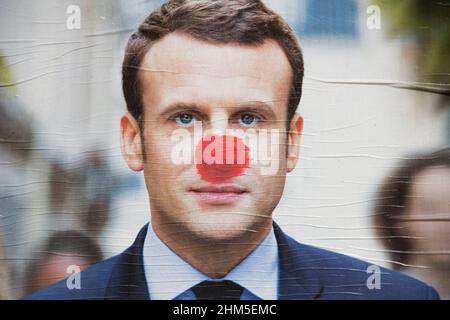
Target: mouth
[218,194]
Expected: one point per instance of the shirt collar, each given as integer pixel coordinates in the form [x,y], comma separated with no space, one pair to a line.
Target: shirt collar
[168,275]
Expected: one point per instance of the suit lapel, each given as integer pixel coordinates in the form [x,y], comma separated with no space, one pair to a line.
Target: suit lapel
[297,281]
[127,280]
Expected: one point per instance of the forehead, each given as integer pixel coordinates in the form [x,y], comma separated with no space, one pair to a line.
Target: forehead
[181,67]
[432,184]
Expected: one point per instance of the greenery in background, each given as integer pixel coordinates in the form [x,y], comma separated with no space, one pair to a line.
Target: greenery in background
[428,21]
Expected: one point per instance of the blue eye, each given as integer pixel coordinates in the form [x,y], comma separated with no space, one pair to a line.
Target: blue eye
[248,119]
[184,119]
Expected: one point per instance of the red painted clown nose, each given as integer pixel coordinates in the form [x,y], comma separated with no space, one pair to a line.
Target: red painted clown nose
[221,158]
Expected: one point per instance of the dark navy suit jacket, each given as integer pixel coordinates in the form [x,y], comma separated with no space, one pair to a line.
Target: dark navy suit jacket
[306,272]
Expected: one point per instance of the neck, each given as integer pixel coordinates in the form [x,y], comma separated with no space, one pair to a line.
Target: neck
[212,257]
[435,274]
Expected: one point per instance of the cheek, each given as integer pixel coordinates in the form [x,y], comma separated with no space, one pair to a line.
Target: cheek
[267,193]
[283,151]
[159,159]
[430,234]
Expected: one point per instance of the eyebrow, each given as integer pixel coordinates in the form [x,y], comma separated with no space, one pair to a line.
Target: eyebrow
[257,106]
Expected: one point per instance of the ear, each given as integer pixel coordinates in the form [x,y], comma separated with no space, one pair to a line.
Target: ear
[131,143]
[295,132]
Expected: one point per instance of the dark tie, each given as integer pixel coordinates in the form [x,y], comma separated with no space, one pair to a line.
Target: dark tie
[219,290]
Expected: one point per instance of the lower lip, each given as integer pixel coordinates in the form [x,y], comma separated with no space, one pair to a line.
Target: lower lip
[217,197]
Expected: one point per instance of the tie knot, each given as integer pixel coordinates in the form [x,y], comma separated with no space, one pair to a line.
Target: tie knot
[218,290]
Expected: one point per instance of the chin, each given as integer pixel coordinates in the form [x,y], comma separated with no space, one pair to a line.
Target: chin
[223,227]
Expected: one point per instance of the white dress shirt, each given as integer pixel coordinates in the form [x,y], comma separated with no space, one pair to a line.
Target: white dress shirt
[169,277]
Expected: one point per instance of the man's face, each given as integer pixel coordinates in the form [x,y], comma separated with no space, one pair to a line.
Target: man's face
[187,82]
[428,214]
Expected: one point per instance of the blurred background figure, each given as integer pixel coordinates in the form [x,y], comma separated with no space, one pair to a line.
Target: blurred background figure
[412,217]
[4,277]
[63,250]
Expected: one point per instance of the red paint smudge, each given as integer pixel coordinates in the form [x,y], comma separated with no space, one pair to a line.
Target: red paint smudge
[221,158]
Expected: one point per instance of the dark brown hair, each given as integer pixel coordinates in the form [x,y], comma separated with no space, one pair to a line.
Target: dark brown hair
[247,22]
[392,202]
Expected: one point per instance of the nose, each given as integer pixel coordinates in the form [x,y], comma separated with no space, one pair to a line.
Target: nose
[220,158]
[218,122]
